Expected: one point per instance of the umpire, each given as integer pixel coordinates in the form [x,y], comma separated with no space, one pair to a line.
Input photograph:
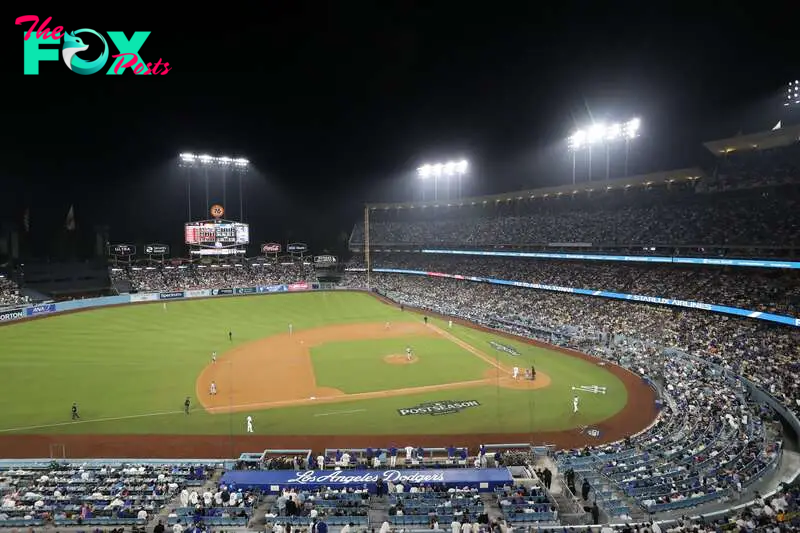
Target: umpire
[75,415]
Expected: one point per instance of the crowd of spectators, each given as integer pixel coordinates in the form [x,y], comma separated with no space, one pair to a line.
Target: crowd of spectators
[10,294]
[101,496]
[189,277]
[767,290]
[750,198]
[767,216]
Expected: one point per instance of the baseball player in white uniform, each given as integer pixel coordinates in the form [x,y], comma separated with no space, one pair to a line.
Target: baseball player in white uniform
[575,401]
[408,353]
[213,357]
[291,329]
[249,424]
[450,324]
[515,372]
[212,390]
[388,325]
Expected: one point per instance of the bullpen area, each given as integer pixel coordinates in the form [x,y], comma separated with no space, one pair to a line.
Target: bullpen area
[310,370]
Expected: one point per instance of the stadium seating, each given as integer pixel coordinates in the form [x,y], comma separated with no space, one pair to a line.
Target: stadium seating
[10,295]
[91,495]
[640,217]
[187,277]
[767,290]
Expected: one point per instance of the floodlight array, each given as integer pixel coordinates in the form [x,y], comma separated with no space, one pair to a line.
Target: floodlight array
[604,133]
[205,159]
[793,93]
[439,170]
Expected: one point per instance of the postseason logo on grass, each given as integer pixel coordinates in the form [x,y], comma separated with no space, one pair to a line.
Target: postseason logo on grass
[510,350]
[444,407]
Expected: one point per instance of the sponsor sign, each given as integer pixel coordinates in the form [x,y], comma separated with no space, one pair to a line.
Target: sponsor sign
[145,297]
[270,248]
[274,480]
[297,247]
[156,249]
[272,288]
[300,286]
[500,347]
[245,290]
[122,249]
[12,314]
[197,293]
[443,407]
[325,259]
[221,292]
[171,295]
[42,309]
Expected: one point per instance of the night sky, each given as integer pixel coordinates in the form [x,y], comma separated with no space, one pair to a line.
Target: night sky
[336,103]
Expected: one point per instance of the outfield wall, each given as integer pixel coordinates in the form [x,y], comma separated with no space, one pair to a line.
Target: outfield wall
[41,310]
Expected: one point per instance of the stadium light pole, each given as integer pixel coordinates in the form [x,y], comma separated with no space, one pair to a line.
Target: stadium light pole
[207,162]
[448,170]
[601,135]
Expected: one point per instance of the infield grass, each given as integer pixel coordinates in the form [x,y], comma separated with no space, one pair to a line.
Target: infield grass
[359,366]
[129,368]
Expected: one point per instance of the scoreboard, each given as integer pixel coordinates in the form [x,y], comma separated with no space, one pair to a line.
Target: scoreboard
[217,234]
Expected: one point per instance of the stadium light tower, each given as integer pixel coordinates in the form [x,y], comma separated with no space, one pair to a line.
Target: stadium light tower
[602,135]
[451,169]
[792,94]
[207,162]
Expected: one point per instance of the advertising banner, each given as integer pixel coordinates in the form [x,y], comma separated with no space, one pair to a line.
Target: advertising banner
[300,286]
[221,292]
[272,288]
[11,314]
[42,309]
[197,293]
[121,249]
[171,295]
[270,248]
[752,263]
[297,247]
[144,297]
[245,290]
[156,249]
[484,479]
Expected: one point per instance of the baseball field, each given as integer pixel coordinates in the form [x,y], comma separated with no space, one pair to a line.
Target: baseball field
[321,369]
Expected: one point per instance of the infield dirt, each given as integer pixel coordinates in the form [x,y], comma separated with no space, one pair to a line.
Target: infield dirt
[277,371]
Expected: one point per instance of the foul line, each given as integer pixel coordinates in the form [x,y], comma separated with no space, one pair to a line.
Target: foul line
[89,421]
[468,347]
[341,412]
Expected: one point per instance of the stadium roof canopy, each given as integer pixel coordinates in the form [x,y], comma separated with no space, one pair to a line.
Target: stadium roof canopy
[644,180]
[755,141]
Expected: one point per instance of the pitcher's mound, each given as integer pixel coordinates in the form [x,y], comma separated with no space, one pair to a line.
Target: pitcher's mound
[400,359]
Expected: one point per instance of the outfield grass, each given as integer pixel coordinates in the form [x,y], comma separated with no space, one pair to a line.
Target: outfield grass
[123,363]
[358,366]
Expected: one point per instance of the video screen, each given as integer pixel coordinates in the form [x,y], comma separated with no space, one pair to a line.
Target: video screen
[217,235]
